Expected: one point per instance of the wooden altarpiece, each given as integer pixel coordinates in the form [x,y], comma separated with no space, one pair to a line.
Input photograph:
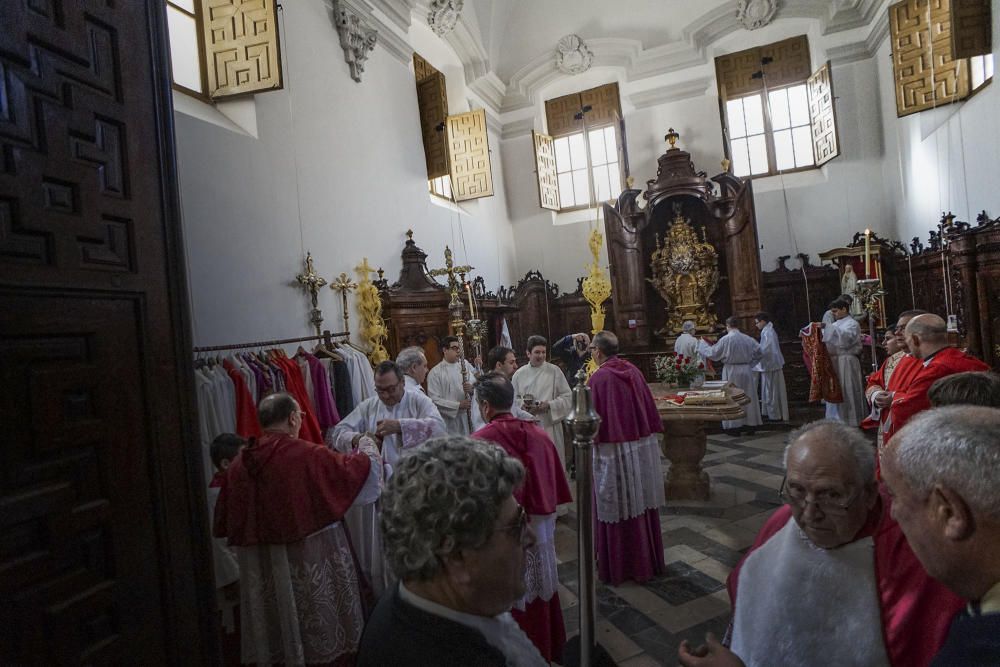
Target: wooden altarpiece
[720,209]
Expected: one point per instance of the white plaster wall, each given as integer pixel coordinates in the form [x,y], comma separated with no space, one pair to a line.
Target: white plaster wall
[945,159]
[345,158]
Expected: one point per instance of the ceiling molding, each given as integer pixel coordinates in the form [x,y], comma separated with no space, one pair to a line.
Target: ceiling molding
[848,53]
[490,89]
[879,32]
[517,128]
[400,12]
[670,93]
[388,38]
[852,14]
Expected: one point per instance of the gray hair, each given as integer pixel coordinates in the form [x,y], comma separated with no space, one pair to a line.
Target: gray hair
[956,446]
[276,408]
[606,342]
[688,326]
[409,357]
[444,496]
[848,439]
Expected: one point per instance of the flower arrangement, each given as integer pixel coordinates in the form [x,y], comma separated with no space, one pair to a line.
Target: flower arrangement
[678,369]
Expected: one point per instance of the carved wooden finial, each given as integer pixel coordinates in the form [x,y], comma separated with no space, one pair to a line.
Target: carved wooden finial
[409,234]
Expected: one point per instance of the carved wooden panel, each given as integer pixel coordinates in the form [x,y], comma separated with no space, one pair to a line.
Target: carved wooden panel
[561,112]
[823,115]
[421,68]
[970,28]
[926,75]
[790,64]
[241,46]
[432,101]
[545,165]
[103,542]
[469,155]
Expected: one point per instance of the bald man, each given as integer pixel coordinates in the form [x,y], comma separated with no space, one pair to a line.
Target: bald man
[926,337]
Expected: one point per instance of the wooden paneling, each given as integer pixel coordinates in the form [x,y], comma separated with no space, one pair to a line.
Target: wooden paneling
[545,166]
[823,115]
[104,555]
[926,75]
[561,112]
[790,64]
[971,33]
[241,46]
[432,101]
[469,156]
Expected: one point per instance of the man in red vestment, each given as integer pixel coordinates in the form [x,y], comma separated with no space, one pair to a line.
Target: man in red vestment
[831,578]
[280,509]
[539,612]
[927,339]
[880,389]
[628,477]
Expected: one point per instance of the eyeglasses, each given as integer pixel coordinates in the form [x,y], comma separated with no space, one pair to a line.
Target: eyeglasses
[518,527]
[453,348]
[828,502]
[386,390]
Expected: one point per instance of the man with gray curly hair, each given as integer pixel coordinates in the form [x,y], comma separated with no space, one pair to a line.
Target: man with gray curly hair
[456,539]
[943,469]
[831,579]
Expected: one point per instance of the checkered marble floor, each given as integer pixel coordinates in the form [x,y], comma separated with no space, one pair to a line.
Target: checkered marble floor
[642,625]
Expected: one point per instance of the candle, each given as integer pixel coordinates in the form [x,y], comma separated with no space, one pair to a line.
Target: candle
[472,309]
[868,252]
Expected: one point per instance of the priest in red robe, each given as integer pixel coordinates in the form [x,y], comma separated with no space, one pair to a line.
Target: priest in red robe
[280,508]
[890,378]
[831,579]
[628,477]
[927,339]
[539,612]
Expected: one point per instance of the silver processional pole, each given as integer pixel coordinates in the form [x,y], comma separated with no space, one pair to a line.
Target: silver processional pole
[584,422]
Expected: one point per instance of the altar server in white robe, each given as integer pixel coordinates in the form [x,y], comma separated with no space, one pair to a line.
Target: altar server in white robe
[843,342]
[773,396]
[451,392]
[401,420]
[739,352]
[686,344]
[549,390]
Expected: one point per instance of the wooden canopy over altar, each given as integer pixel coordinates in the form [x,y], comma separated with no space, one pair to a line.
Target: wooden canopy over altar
[720,210]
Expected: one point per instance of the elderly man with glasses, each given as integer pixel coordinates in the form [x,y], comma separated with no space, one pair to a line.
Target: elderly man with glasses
[458,541]
[397,420]
[831,579]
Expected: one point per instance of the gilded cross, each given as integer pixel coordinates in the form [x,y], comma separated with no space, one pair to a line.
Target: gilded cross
[452,272]
[312,282]
[344,284]
[364,268]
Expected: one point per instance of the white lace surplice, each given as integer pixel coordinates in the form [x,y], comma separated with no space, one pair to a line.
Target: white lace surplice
[300,602]
[541,574]
[628,478]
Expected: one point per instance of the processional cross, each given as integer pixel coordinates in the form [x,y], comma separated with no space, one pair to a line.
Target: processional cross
[344,284]
[455,306]
[312,282]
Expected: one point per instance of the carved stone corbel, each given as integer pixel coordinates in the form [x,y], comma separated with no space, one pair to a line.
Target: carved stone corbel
[356,38]
[754,14]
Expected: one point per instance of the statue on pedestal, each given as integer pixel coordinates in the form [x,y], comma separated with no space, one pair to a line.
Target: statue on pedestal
[686,275]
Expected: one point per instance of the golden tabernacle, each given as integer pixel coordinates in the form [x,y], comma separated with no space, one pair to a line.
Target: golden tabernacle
[686,275]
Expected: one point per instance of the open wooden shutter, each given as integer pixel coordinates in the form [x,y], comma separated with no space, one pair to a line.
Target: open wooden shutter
[545,166]
[970,28]
[823,115]
[240,38]
[469,155]
[925,73]
[432,100]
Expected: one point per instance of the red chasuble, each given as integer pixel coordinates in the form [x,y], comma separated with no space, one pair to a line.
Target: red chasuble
[911,397]
[916,610]
[622,398]
[823,383]
[246,412]
[545,484]
[281,489]
[902,374]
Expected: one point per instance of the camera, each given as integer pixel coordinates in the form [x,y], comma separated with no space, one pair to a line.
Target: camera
[580,345]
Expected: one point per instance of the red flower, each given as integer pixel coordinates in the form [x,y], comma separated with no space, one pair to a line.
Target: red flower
[700,365]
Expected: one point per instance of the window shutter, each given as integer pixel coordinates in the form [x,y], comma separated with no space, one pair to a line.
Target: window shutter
[925,73]
[432,101]
[970,28]
[789,64]
[560,115]
[545,166]
[823,115]
[469,155]
[605,108]
[241,47]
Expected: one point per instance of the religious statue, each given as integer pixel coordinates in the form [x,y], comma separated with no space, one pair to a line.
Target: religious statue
[849,285]
[686,275]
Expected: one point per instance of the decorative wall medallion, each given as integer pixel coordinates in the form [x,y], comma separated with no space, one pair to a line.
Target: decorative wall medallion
[443,16]
[356,38]
[753,14]
[573,56]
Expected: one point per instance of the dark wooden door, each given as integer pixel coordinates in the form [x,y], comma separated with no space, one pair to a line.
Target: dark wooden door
[103,555]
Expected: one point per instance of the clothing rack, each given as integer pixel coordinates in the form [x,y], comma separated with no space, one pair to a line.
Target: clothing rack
[326,337]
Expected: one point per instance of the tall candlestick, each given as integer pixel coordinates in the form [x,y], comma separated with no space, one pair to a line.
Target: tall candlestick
[868,252]
[472,309]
